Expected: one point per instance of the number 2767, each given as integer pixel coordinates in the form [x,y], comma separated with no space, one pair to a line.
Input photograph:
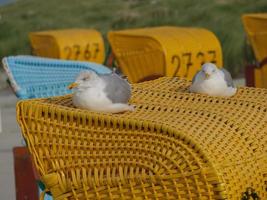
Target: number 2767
[89,52]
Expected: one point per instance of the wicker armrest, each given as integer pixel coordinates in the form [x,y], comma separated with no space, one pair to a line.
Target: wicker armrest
[175,145]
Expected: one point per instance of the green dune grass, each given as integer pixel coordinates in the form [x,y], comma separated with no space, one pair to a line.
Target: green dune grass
[220,16]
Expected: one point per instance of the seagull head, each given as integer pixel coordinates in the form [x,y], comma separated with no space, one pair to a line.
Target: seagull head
[84,80]
[209,69]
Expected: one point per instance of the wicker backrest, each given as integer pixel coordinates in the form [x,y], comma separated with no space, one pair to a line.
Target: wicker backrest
[35,77]
[176,145]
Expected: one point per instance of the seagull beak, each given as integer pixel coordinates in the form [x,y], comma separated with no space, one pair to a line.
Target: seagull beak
[73,85]
[207,75]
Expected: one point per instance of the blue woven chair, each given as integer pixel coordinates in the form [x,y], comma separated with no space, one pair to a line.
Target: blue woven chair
[35,77]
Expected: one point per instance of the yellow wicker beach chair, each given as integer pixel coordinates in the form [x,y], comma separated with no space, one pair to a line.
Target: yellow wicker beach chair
[175,145]
[147,53]
[256,29]
[70,44]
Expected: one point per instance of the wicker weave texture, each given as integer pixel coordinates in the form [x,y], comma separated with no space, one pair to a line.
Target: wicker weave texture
[176,145]
[35,77]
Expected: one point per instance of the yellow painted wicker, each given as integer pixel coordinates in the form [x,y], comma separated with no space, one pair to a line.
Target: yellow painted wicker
[176,145]
[256,28]
[147,53]
[70,44]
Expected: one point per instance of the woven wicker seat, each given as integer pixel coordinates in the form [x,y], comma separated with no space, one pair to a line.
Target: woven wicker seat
[35,77]
[176,145]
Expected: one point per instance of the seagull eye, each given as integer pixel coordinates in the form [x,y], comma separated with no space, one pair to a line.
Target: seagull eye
[85,78]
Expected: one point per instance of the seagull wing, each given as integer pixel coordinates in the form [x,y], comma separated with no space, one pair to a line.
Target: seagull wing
[196,77]
[117,89]
[227,77]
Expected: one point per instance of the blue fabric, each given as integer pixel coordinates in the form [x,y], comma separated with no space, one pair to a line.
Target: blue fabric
[47,196]
[36,77]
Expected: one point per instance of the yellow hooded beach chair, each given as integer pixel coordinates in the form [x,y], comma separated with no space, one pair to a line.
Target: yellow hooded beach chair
[148,53]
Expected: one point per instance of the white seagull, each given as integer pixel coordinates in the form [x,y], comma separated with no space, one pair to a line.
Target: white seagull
[101,92]
[213,81]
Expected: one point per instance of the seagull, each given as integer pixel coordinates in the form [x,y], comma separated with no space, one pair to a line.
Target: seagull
[101,92]
[213,81]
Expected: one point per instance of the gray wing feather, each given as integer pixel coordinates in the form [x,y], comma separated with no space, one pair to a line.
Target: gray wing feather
[195,77]
[227,78]
[117,89]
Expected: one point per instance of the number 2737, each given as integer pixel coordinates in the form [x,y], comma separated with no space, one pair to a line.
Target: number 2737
[188,59]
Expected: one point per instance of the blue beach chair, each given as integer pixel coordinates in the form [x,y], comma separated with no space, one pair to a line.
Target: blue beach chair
[36,77]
